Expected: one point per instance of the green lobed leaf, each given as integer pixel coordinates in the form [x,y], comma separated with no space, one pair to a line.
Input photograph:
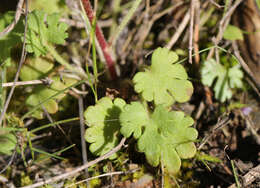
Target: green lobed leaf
[104,126]
[226,78]
[233,33]
[40,93]
[165,136]
[56,30]
[165,81]
[7,143]
[41,33]
[53,6]
[35,68]
[134,118]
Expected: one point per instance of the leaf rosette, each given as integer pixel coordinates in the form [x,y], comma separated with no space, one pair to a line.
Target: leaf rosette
[163,136]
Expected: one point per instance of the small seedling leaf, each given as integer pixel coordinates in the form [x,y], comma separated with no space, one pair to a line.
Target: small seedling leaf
[7,143]
[42,92]
[233,33]
[104,126]
[226,78]
[41,33]
[35,68]
[165,81]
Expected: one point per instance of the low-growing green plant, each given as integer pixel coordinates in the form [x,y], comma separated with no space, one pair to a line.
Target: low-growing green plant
[223,78]
[45,31]
[163,135]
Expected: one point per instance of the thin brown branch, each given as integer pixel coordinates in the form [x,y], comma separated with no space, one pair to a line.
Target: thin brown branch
[82,133]
[23,56]
[192,10]
[81,24]
[145,29]
[216,4]
[179,31]
[9,28]
[249,177]
[78,169]
[222,121]
[223,24]
[106,174]
[245,66]
[197,31]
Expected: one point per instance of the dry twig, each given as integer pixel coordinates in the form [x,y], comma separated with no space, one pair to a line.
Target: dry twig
[192,9]
[103,175]
[82,133]
[78,169]
[23,56]
[249,177]
[222,26]
[45,81]
[220,124]
[179,31]
[245,67]
[19,10]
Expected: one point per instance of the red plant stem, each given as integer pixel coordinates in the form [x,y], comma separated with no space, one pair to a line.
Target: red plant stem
[101,40]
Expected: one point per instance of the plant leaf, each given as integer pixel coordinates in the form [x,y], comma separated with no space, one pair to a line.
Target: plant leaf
[133,119]
[53,6]
[165,136]
[40,34]
[233,33]
[226,78]
[104,126]
[35,68]
[40,93]
[165,81]
[7,143]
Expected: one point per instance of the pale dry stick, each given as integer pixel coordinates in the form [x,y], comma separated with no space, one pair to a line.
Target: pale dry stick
[249,177]
[245,66]
[197,31]
[23,56]
[45,81]
[9,28]
[222,26]
[216,4]
[78,169]
[179,31]
[10,161]
[79,92]
[155,17]
[250,126]
[82,133]
[81,24]
[192,10]
[220,124]
[103,175]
